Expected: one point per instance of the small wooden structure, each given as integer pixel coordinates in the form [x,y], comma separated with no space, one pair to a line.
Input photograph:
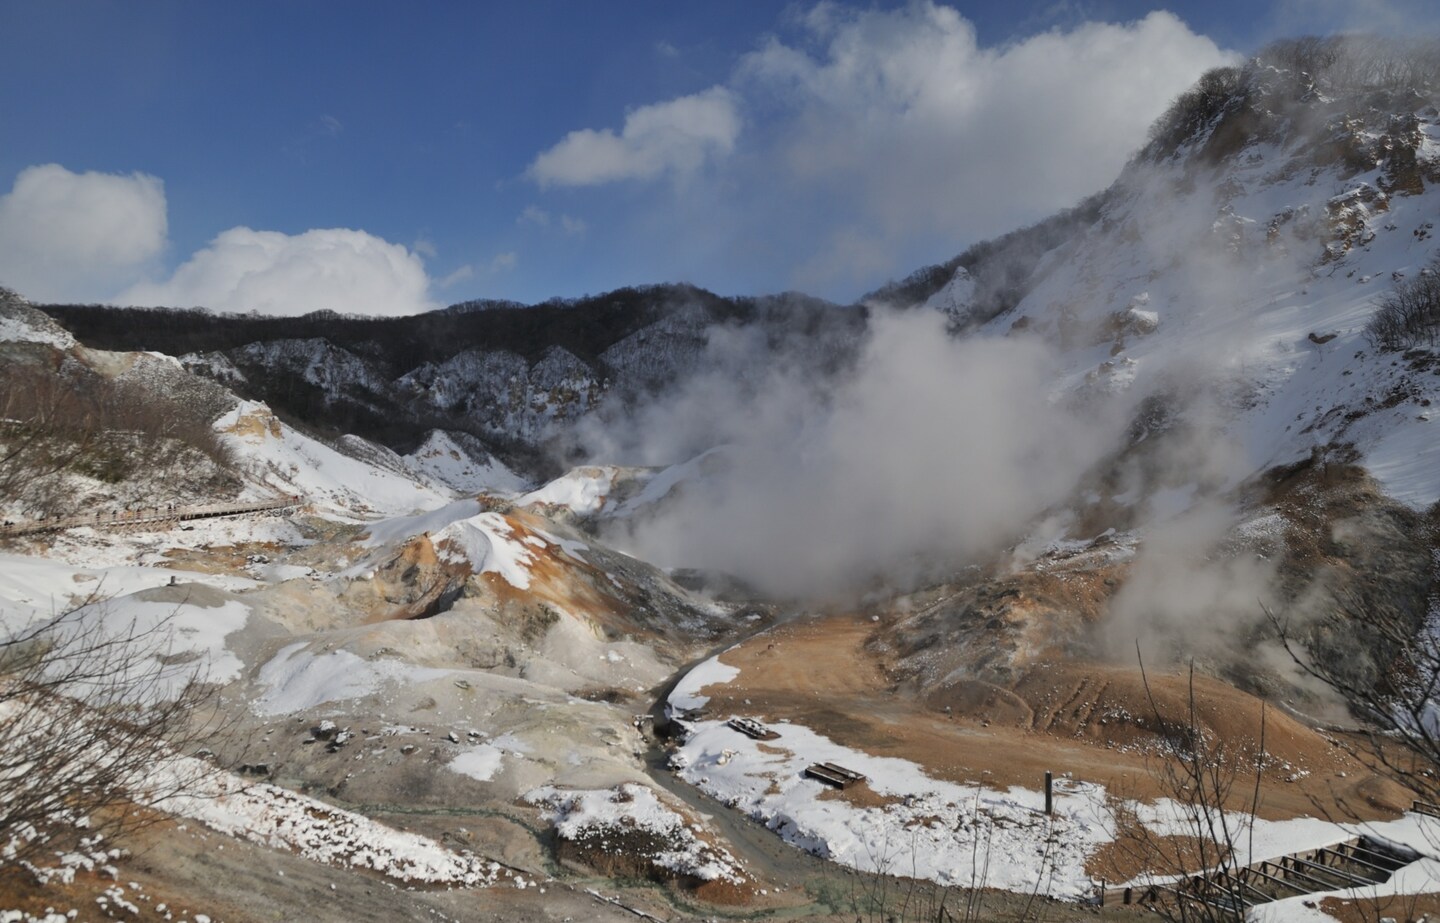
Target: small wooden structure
[751,728]
[833,775]
[1426,808]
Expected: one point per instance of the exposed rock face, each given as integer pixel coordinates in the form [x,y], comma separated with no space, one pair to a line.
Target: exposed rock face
[515,379]
[502,392]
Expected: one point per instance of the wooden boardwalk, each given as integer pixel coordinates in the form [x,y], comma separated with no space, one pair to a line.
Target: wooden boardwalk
[1358,862]
[155,517]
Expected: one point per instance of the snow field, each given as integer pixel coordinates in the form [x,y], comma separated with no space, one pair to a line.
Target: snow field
[443,460]
[463,533]
[686,694]
[33,588]
[485,542]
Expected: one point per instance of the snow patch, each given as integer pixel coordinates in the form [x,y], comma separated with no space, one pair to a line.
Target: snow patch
[598,817]
[583,491]
[952,834]
[297,680]
[686,694]
[485,542]
[281,819]
[479,762]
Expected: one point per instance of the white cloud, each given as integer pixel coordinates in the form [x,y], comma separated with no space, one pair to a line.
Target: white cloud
[534,216]
[460,275]
[78,236]
[924,131]
[504,261]
[893,131]
[674,137]
[334,269]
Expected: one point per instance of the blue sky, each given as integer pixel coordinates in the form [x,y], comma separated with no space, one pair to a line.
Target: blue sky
[390,157]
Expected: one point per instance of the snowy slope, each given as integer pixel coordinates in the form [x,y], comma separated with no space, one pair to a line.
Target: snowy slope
[583,491]
[284,461]
[1238,266]
[462,463]
[20,323]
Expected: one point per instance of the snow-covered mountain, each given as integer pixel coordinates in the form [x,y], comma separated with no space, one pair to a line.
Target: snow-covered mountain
[1255,236]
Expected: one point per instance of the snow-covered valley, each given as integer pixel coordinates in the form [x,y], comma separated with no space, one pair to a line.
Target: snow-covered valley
[745,608]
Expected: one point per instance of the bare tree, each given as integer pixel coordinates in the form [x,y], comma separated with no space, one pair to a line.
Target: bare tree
[1391,682]
[44,429]
[1213,787]
[1409,314]
[92,716]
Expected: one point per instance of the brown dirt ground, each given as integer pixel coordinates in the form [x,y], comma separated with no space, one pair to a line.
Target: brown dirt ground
[220,559]
[191,870]
[20,891]
[1075,718]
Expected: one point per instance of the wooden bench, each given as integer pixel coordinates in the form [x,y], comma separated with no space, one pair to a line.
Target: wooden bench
[751,728]
[833,775]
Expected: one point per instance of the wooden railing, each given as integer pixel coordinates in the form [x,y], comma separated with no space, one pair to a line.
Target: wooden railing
[161,515]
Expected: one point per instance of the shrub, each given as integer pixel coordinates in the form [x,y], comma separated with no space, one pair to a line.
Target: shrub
[1409,314]
[56,422]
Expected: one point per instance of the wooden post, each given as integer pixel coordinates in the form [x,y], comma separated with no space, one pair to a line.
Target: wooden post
[1049,793]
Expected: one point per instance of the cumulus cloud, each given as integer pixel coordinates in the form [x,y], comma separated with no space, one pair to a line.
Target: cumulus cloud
[78,236]
[925,131]
[898,129]
[334,269]
[669,138]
